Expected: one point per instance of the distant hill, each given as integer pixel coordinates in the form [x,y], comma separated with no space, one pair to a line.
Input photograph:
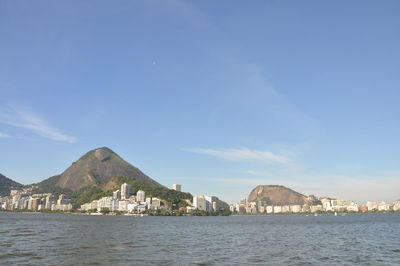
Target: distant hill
[97,167]
[6,184]
[277,195]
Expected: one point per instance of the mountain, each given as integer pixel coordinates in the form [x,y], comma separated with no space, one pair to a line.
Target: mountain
[277,195]
[6,184]
[98,166]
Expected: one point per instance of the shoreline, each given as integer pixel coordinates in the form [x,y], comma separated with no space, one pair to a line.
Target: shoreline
[188,215]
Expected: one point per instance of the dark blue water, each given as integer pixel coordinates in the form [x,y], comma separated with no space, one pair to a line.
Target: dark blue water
[43,239]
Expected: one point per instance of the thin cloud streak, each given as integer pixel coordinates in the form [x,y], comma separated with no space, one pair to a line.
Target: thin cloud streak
[241,155]
[22,118]
[3,135]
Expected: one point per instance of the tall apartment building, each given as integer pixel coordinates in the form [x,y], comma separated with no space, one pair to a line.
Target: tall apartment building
[200,203]
[125,191]
[141,196]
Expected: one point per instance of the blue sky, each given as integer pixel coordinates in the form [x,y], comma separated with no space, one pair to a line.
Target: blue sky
[217,96]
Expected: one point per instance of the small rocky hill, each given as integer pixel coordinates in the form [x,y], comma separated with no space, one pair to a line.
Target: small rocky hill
[277,195]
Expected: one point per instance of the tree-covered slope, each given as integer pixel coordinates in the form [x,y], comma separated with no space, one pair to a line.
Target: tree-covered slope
[6,184]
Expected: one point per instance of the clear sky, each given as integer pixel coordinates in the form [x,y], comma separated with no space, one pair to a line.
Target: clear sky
[219,96]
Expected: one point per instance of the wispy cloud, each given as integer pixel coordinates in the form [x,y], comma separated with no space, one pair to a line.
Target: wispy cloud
[3,135]
[241,155]
[23,118]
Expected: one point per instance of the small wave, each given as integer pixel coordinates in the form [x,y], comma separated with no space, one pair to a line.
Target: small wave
[24,234]
[23,230]
[16,255]
[86,247]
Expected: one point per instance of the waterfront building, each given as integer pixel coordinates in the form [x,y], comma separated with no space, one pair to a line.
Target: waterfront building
[148,202]
[123,205]
[177,187]
[240,208]
[50,200]
[382,206]
[156,202]
[269,209]
[277,209]
[141,208]
[132,207]
[141,196]
[261,209]
[326,204]
[104,203]
[125,191]
[372,206]
[352,207]
[315,208]
[35,204]
[200,203]
[61,207]
[339,205]
[285,208]
[29,207]
[295,208]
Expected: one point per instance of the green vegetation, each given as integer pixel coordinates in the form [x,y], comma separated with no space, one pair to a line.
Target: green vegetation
[105,211]
[7,184]
[49,186]
[88,194]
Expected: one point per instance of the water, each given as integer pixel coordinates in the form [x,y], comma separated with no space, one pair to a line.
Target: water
[43,239]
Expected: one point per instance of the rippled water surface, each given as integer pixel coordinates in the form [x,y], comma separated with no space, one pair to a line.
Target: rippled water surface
[42,239]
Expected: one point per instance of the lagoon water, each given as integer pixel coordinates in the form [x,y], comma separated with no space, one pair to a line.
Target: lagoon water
[61,239]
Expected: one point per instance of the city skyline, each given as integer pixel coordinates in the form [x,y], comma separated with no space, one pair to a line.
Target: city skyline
[219,97]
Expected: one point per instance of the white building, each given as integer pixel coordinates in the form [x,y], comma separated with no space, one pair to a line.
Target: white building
[315,208]
[285,208]
[372,206]
[352,207]
[326,204]
[105,203]
[383,206]
[339,205]
[61,207]
[295,208]
[125,191]
[141,196]
[396,206]
[277,209]
[177,187]
[200,203]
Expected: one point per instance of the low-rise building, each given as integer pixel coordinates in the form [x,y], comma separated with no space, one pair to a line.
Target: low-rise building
[316,208]
[269,209]
[277,209]
[295,208]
